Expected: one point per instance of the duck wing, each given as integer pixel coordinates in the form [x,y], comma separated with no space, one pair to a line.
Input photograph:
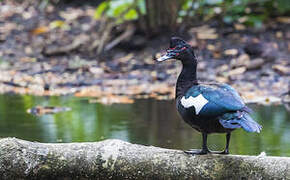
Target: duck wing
[219,101]
[212,100]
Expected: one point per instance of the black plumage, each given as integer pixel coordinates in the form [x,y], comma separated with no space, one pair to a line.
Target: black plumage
[208,108]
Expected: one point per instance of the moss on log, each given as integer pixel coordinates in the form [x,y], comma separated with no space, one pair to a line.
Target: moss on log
[116,159]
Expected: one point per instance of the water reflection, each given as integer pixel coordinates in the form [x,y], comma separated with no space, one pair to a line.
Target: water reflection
[149,122]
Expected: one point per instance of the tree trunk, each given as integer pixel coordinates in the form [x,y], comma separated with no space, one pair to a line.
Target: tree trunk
[115,159]
[162,14]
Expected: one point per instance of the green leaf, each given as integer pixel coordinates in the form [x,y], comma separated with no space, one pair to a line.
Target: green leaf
[118,10]
[101,9]
[255,21]
[131,14]
[187,5]
[283,5]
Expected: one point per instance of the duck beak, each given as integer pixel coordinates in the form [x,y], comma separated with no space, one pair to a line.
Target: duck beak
[169,55]
[164,57]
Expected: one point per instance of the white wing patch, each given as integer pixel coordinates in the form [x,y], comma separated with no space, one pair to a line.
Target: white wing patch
[198,102]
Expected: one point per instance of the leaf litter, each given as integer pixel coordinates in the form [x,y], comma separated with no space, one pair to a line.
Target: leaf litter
[58,55]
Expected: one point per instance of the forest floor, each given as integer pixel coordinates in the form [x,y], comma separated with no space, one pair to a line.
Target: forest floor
[53,51]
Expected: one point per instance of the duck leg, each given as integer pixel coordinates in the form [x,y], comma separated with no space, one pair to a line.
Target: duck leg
[226,151]
[204,149]
[228,137]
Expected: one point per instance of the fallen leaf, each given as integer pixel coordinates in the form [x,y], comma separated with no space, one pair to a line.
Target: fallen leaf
[237,71]
[242,60]
[217,54]
[240,27]
[255,63]
[96,70]
[285,20]
[231,52]
[211,47]
[126,58]
[243,19]
[28,59]
[90,92]
[223,68]
[40,30]
[222,79]
[71,15]
[115,100]
[206,36]
[279,34]
[281,69]
[204,32]
[58,24]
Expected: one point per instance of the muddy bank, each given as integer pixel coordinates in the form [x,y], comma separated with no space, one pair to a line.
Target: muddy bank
[53,51]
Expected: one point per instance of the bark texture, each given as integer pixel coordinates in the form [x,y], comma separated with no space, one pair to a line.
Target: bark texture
[116,159]
[162,14]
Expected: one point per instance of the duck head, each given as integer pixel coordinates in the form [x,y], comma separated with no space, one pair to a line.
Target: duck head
[179,50]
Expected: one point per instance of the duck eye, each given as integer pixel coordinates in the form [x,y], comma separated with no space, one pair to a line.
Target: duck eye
[177,49]
[181,48]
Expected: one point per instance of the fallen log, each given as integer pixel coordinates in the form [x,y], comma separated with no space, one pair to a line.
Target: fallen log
[116,159]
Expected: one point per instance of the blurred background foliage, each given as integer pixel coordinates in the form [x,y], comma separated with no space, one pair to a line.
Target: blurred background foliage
[156,15]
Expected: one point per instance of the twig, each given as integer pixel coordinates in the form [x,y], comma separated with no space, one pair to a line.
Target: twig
[125,35]
[77,42]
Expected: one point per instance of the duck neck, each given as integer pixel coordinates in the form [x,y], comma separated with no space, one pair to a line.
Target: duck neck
[187,78]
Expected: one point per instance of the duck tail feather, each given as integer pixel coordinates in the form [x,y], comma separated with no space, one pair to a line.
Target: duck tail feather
[240,120]
[247,109]
[249,125]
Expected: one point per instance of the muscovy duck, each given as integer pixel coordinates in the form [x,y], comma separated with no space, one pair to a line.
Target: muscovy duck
[208,108]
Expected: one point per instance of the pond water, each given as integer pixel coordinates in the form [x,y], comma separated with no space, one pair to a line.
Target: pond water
[148,122]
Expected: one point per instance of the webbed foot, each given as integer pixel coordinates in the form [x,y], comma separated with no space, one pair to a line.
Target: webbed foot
[197,151]
[225,152]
